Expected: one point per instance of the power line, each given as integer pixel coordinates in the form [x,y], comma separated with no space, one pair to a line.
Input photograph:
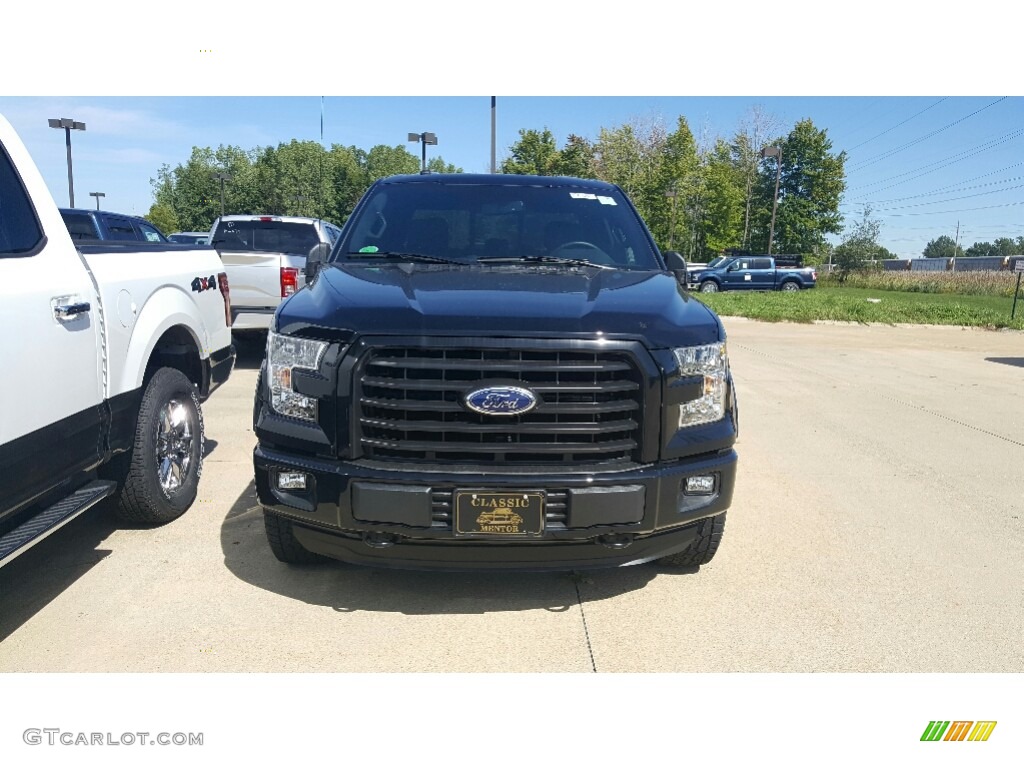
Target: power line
[940,164]
[898,124]
[959,210]
[949,188]
[939,202]
[892,152]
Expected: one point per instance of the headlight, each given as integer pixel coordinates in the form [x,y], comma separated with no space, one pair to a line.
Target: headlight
[285,354]
[711,363]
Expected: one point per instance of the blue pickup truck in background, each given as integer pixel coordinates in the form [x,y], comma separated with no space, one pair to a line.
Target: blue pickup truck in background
[750,273]
[86,225]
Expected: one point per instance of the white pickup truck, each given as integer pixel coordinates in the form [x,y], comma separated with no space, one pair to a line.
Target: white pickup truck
[265,258]
[109,350]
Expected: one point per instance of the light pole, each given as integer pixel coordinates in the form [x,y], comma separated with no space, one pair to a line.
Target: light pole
[298,200]
[97,195]
[222,176]
[494,122]
[424,138]
[775,152]
[68,125]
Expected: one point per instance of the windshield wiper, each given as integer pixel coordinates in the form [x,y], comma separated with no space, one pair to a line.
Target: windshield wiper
[403,256]
[538,259]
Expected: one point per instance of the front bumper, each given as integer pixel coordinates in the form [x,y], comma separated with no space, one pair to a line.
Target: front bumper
[372,515]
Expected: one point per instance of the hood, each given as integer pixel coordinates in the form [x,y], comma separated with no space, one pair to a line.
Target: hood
[505,300]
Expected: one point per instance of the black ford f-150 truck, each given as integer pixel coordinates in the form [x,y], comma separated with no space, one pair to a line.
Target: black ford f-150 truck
[495,371]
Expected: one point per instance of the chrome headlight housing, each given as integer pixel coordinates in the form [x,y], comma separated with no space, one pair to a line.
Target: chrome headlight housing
[284,355]
[711,363]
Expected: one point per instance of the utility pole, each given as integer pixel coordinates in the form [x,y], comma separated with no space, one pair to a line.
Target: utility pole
[956,243]
[222,177]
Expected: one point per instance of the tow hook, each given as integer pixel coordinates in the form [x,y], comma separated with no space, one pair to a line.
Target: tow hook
[616,540]
[379,540]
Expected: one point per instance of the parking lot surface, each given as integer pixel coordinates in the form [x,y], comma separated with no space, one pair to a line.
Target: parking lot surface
[877,525]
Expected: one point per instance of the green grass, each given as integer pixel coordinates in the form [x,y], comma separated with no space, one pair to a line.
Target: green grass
[851,304]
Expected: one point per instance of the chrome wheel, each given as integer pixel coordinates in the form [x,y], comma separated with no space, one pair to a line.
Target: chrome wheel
[175,430]
[790,286]
[709,287]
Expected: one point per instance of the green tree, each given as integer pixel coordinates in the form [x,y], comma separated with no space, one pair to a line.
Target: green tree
[942,247]
[678,192]
[720,225]
[981,249]
[860,245]
[534,153]
[163,217]
[811,185]
[383,161]
[576,158]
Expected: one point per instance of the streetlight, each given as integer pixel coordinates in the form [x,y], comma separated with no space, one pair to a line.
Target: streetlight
[223,177]
[68,125]
[425,138]
[97,195]
[775,152]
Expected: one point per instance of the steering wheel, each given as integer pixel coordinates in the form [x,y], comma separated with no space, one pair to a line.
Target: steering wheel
[575,244]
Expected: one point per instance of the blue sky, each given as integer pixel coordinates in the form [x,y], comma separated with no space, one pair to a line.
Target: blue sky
[877,78]
[924,163]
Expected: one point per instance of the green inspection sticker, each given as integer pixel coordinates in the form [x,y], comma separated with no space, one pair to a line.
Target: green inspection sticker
[369,249]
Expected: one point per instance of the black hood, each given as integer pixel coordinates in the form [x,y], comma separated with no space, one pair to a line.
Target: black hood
[506,300]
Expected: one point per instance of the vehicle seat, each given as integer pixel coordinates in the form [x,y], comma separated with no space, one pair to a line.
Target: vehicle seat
[427,236]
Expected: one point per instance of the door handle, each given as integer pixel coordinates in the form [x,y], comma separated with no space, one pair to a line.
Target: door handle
[71,311]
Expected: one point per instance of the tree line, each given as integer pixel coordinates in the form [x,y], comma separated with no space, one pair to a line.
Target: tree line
[298,178]
[699,197]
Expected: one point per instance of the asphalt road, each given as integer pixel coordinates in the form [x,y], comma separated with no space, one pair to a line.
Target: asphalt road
[877,525]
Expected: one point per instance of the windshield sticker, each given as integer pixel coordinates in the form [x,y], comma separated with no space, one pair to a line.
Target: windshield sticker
[583,195]
[606,200]
[369,249]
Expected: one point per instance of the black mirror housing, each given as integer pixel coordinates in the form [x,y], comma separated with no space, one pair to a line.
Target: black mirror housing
[317,257]
[677,264]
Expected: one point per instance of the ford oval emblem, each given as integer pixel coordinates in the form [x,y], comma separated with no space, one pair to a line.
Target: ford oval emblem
[501,401]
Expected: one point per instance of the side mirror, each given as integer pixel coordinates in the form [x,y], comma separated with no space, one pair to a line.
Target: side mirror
[677,264]
[317,256]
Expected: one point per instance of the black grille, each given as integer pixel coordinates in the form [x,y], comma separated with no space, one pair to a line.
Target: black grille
[556,509]
[411,406]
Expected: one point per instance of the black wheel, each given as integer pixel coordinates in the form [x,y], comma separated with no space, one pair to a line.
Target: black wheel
[283,543]
[791,285]
[159,477]
[709,286]
[703,548]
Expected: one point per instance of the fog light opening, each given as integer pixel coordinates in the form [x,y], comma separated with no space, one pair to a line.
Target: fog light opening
[616,540]
[699,485]
[292,481]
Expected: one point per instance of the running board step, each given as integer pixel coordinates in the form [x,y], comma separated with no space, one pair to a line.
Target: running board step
[37,528]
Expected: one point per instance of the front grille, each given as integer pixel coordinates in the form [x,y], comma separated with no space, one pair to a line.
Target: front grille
[411,406]
[556,509]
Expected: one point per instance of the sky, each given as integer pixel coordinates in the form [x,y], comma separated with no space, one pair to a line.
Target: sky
[924,164]
[926,161]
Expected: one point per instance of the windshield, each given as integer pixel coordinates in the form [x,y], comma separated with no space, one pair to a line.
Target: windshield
[498,223]
[267,236]
[718,260]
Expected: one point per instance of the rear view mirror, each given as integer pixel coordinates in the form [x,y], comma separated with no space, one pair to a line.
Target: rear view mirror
[677,264]
[317,256]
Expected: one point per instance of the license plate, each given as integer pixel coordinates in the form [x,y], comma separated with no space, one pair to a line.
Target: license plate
[493,513]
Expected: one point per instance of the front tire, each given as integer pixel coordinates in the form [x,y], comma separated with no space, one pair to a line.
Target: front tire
[283,543]
[709,286]
[703,548]
[159,477]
